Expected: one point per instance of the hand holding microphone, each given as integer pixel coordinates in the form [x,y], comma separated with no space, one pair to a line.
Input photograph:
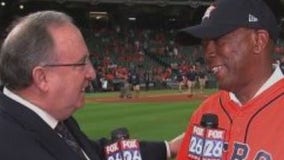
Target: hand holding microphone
[174,145]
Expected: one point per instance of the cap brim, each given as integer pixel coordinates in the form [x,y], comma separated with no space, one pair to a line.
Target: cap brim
[205,31]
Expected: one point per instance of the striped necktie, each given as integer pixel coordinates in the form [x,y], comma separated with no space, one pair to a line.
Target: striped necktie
[69,139]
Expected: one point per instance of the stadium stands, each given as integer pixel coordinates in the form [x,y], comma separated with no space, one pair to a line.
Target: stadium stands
[127,37]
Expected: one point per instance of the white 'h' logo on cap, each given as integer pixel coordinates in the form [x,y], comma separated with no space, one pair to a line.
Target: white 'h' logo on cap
[252,18]
[208,12]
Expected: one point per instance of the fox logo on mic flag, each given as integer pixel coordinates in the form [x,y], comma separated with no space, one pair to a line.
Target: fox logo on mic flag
[207,140]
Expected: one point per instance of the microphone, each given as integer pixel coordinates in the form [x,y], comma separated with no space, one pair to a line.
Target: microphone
[119,134]
[122,147]
[207,139]
[209,120]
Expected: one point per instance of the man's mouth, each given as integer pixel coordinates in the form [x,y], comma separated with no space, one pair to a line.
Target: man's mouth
[216,69]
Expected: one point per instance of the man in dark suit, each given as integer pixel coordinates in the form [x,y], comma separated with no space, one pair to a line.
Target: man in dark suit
[45,68]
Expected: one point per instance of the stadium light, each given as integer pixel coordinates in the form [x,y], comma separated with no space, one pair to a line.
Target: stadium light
[3,4]
[21,6]
[131,18]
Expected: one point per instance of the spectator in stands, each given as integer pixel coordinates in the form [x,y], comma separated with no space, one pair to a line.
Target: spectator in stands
[45,69]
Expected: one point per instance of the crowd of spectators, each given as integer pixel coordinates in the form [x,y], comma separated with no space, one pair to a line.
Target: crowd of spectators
[151,54]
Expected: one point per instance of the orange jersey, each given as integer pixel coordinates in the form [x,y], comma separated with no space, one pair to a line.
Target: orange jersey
[253,131]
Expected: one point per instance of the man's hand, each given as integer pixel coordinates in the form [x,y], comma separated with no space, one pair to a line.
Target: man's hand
[175,144]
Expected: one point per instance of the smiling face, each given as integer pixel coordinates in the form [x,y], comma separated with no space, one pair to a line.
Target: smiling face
[235,60]
[67,83]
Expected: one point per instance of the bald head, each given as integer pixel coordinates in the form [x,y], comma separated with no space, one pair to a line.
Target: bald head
[27,45]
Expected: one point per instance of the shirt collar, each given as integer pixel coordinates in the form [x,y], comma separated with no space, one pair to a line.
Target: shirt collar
[275,77]
[51,121]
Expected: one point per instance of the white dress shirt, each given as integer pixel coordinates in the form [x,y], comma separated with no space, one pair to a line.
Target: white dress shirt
[51,121]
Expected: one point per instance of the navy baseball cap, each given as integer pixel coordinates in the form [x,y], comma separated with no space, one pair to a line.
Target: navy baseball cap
[224,16]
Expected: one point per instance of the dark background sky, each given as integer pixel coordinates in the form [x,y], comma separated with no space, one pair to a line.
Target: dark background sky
[154,14]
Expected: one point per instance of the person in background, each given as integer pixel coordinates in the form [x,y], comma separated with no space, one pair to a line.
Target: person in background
[147,79]
[135,83]
[202,78]
[181,79]
[45,69]
[238,37]
[282,64]
[191,77]
[125,91]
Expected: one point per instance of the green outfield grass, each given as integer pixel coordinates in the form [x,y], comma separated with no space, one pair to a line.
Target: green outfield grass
[151,121]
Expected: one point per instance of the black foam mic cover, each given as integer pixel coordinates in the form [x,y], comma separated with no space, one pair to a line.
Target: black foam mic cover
[119,134]
[209,120]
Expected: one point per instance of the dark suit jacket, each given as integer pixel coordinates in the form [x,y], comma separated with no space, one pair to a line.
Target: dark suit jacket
[25,136]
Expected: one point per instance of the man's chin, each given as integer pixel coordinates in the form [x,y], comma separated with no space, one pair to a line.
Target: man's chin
[223,86]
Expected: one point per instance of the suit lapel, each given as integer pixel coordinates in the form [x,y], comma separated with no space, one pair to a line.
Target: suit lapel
[31,122]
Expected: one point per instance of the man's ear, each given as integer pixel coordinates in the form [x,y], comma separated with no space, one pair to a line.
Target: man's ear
[39,78]
[261,40]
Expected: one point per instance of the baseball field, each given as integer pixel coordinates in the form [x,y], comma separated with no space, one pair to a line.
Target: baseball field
[155,115]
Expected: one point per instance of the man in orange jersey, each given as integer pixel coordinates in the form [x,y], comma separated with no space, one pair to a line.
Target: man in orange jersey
[238,37]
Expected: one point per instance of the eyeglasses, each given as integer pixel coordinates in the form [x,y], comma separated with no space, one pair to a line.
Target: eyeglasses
[65,65]
[86,61]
